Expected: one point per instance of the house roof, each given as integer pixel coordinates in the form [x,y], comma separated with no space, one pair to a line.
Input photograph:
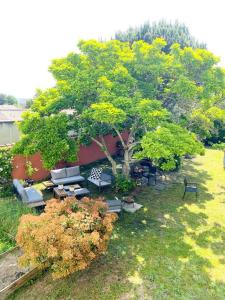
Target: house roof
[10,113]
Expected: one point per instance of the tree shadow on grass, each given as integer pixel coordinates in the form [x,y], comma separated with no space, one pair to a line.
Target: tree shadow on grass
[159,252]
[174,256]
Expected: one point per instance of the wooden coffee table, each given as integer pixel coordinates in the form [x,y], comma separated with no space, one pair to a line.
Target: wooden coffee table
[61,194]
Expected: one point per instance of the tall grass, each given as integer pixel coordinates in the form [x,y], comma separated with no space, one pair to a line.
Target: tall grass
[11,210]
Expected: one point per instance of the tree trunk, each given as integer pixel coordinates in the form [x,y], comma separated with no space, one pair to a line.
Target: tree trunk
[112,161]
[114,169]
[126,164]
[103,147]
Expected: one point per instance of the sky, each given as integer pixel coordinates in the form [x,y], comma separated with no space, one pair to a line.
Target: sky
[33,32]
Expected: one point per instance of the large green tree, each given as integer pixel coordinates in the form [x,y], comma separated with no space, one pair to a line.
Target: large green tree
[157,97]
[171,32]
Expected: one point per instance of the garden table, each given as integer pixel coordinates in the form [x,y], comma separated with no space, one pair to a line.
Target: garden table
[65,192]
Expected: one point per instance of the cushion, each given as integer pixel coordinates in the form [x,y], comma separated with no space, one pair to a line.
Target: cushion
[190,188]
[99,182]
[21,191]
[81,192]
[17,183]
[57,174]
[96,173]
[73,171]
[114,202]
[114,205]
[33,195]
[106,177]
[68,180]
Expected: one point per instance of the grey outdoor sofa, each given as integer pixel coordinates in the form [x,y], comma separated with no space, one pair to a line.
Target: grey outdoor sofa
[66,175]
[29,195]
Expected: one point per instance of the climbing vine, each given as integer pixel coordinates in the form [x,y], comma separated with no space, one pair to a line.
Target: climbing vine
[5,171]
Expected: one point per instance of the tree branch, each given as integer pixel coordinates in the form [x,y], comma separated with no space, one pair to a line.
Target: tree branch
[131,146]
[135,123]
[104,148]
[106,151]
[97,142]
[120,137]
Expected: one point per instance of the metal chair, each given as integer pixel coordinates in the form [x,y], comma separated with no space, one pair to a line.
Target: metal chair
[190,187]
[99,178]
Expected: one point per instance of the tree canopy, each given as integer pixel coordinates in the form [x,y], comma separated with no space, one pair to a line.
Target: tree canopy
[47,135]
[171,32]
[158,97]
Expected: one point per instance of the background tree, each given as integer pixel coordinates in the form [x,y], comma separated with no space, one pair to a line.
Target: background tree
[7,99]
[28,103]
[170,32]
[112,87]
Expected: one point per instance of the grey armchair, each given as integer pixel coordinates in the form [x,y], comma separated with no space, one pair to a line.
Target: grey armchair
[99,178]
[29,195]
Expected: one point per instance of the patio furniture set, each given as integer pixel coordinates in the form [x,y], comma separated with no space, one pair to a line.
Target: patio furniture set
[67,182]
[64,182]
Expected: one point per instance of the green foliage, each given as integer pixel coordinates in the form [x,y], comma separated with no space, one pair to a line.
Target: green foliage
[29,103]
[7,99]
[5,171]
[5,164]
[219,146]
[177,160]
[209,124]
[123,184]
[171,32]
[167,142]
[114,87]
[47,135]
[107,113]
[151,112]
[30,170]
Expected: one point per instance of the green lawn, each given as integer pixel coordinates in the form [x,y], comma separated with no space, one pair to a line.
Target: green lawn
[170,249]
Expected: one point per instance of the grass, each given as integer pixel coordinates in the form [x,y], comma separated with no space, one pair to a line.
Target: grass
[10,211]
[170,249]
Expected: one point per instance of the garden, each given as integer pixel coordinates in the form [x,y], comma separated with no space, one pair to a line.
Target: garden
[145,221]
[172,248]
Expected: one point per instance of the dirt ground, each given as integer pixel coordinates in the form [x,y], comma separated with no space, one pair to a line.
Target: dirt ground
[9,269]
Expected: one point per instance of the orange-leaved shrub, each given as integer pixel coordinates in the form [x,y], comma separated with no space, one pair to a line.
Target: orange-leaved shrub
[67,236]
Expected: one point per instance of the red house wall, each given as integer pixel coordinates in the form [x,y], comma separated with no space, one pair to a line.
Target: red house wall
[86,155]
